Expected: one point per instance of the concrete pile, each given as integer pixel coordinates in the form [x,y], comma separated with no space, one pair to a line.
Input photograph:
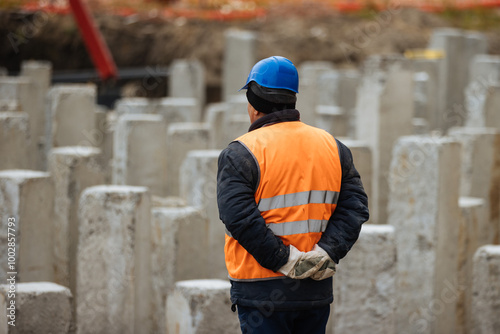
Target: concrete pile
[74,169]
[194,308]
[27,93]
[481,94]
[117,208]
[239,57]
[309,89]
[70,115]
[187,80]
[135,163]
[199,188]
[173,259]
[426,89]
[114,246]
[182,138]
[15,140]
[339,88]
[362,298]
[26,213]
[40,307]
[486,290]
[423,208]
[384,110]
[459,48]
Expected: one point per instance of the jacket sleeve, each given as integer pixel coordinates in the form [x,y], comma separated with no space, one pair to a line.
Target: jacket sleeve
[351,212]
[237,181]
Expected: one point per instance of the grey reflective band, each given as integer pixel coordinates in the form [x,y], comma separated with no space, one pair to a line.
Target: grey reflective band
[298,227]
[301,198]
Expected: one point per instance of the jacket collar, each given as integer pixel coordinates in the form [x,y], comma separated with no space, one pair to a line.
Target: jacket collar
[288,115]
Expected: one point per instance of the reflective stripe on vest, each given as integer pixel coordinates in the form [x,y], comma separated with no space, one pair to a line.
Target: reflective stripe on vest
[305,197]
[299,185]
[298,227]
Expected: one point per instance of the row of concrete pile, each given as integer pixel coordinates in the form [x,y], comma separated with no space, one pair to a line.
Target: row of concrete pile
[114,212]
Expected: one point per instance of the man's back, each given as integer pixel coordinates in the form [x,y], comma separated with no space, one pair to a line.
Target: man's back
[300,177]
[293,205]
[298,183]
[293,154]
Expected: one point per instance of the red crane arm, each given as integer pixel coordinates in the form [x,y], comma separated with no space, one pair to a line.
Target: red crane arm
[96,46]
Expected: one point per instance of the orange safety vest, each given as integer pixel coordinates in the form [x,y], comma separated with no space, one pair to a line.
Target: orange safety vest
[300,177]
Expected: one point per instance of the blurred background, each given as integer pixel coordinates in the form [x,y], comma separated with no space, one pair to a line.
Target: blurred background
[416,104]
[145,36]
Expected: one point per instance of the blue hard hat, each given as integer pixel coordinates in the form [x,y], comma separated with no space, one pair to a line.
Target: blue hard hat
[275,72]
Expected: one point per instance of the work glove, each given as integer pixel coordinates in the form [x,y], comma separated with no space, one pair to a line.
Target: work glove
[302,265]
[327,269]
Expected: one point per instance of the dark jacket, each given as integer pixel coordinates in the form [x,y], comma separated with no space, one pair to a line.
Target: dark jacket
[237,181]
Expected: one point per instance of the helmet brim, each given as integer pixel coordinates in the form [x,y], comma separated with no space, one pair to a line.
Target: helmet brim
[244,87]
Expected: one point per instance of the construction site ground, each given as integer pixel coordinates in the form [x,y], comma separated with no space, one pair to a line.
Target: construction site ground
[299,32]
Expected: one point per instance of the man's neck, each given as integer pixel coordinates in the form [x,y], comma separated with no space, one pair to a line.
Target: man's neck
[288,115]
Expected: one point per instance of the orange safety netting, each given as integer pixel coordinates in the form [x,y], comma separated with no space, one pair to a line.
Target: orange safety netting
[243,9]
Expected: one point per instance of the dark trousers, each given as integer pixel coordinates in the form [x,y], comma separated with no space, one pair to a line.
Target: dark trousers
[255,321]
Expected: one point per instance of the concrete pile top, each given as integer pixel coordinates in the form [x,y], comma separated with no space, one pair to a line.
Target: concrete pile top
[141,117]
[90,89]
[9,114]
[13,118]
[202,285]
[487,251]
[349,142]
[36,64]
[487,58]
[106,189]
[377,229]
[78,151]
[13,80]
[204,153]
[38,288]
[177,101]
[474,131]
[22,174]
[466,202]
[426,139]
[179,126]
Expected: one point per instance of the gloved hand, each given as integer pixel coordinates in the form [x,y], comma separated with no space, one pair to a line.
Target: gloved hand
[302,265]
[327,269]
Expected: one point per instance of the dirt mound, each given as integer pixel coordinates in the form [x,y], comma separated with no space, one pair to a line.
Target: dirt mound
[299,33]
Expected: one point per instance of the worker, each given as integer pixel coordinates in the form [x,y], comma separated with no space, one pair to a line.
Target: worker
[293,205]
